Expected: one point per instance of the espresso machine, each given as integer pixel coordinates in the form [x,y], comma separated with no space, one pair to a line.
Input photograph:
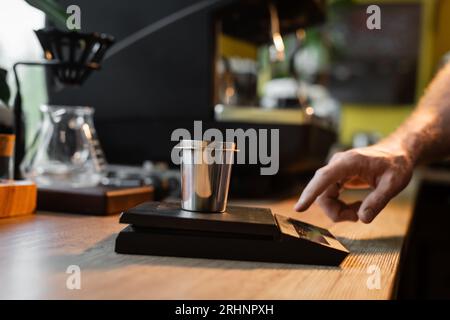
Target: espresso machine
[166,71]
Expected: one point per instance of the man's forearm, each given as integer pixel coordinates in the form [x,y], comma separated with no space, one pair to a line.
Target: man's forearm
[388,166]
[425,135]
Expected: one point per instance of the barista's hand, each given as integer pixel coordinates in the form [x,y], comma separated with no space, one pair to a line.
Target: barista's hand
[385,171]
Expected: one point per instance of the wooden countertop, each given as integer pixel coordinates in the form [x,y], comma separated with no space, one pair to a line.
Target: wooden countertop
[35,253]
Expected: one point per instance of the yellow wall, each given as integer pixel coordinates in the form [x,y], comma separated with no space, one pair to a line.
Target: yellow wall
[435,42]
[442,42]
[380,119]
[229,47]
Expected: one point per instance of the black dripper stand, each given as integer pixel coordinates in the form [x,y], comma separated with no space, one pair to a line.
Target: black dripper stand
[188,229]
[71,57]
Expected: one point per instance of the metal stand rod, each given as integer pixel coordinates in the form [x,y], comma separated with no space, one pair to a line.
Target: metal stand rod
[19,126]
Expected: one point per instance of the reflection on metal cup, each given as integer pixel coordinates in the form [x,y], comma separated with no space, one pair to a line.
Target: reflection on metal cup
[205,174]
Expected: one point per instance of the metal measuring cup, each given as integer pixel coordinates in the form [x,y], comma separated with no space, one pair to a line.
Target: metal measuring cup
[205,174]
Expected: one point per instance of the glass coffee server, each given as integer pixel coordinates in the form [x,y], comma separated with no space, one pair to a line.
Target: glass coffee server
[66,151]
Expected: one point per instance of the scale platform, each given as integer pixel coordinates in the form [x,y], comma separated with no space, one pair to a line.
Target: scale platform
[240,233]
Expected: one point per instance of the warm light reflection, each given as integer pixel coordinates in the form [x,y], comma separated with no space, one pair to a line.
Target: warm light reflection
[229,92]
[276,34]
[279,45]
[87,131]
[309,111]
[300,34]
[48,55]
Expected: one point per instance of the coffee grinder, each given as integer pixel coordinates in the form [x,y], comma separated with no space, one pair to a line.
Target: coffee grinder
[201,225]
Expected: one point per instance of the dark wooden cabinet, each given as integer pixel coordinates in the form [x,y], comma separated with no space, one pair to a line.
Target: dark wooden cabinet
[425,265]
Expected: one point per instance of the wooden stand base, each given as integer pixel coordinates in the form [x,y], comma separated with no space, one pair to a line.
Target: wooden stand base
[92,201]
[17,198]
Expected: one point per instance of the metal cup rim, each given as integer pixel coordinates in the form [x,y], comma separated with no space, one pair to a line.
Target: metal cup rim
[202,144]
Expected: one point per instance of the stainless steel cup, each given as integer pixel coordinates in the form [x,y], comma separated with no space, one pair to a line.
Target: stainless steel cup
[205,174]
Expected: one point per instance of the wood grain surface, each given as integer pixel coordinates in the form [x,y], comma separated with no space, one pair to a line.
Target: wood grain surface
[17,198]
[36,251]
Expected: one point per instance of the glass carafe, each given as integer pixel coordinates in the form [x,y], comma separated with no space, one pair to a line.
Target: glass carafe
[66,151]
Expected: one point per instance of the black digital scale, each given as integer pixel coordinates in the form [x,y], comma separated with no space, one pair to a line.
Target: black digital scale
[240,233]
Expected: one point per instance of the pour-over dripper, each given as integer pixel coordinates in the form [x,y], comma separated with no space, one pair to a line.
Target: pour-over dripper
[76,54]
[71,56]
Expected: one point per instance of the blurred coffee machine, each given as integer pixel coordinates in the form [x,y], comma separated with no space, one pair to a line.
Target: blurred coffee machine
[178,61]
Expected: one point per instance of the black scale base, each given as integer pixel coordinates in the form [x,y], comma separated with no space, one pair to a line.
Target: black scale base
[241,233]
